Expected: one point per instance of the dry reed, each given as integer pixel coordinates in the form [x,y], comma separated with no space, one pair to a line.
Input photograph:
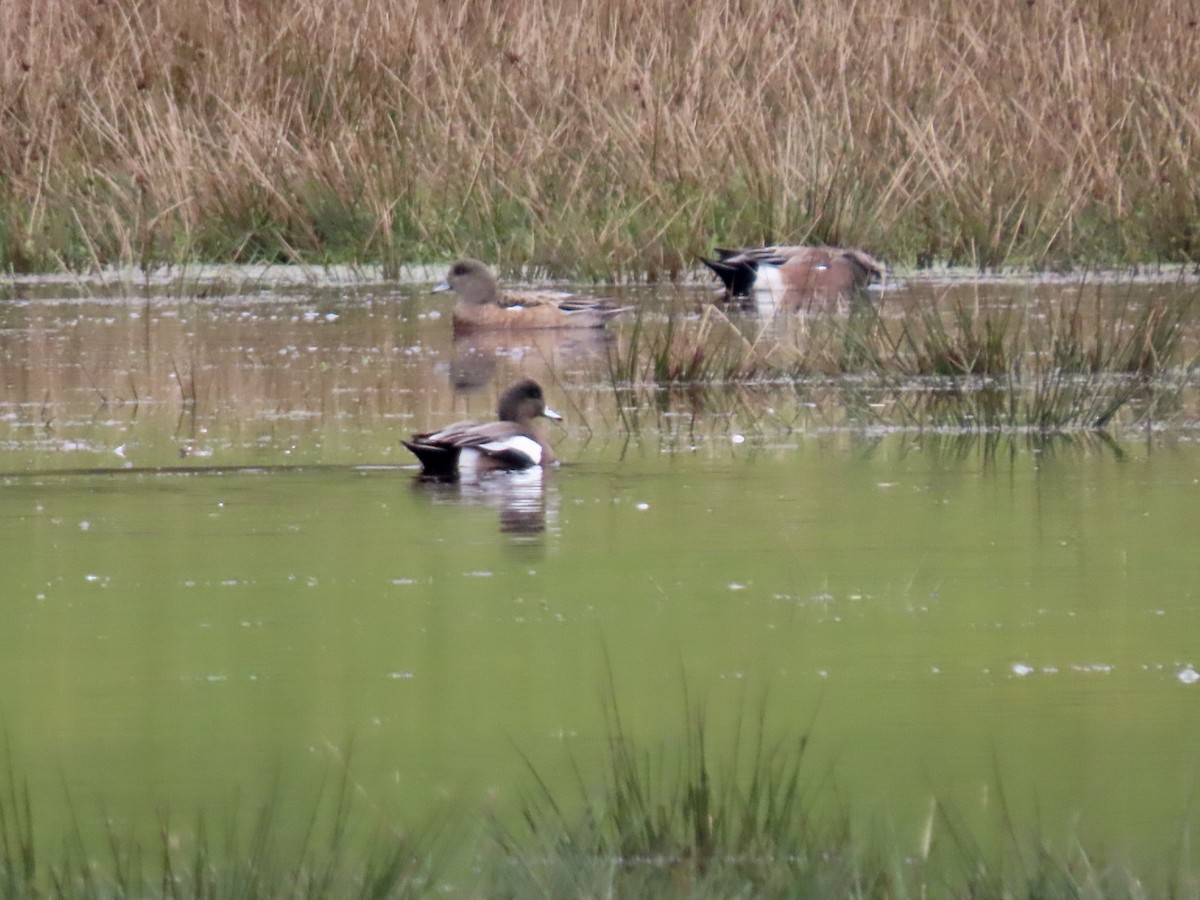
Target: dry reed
[604,139]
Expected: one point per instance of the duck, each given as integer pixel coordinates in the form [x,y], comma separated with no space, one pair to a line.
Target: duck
[510,443]
[481,305]
[794,277]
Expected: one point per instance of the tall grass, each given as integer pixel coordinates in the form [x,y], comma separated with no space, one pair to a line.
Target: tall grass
[746,821]
[18,856]
[603,139]
[324,855]
[741,819]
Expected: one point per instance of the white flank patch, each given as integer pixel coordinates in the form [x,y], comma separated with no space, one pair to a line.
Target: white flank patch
[770,281]
[468,459]
[768,290]
[520,444]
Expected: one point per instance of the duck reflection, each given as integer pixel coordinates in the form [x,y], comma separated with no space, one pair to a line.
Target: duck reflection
[479,356]
[521,496]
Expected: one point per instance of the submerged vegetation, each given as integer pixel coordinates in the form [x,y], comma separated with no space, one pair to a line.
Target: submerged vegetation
[602,139]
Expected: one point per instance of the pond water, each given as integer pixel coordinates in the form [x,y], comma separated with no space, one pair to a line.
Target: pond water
[221,575]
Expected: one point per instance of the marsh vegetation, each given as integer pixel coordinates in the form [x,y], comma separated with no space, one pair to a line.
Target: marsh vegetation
[598,139]
[746,818]
[1090,358]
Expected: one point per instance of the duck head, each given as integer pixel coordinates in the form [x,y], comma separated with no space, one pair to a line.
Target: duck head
[471,280]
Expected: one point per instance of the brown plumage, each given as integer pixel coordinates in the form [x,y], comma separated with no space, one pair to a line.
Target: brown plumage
[508,443]
[483,306]
[794,277]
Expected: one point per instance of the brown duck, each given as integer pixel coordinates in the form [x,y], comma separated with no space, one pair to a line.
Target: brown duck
[483,306]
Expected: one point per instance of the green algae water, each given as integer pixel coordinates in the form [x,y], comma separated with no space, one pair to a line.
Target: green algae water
[221,580]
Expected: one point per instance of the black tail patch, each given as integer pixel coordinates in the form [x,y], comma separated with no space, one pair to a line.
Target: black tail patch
[738,275]
[437,461]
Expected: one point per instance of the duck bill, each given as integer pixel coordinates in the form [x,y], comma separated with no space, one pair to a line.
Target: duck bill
[551,414]
[440,287]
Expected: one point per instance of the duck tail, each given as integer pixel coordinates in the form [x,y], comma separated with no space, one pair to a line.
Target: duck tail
[613,311]
[436,461]
[736,274]
[872,268]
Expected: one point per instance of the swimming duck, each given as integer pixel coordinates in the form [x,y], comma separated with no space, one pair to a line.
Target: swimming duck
[792,277]
[509,443]
[482,305]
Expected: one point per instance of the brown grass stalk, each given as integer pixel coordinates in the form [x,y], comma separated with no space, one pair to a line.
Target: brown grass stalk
[602,138]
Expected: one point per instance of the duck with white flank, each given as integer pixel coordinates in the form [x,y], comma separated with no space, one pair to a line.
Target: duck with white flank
[793,278]
[509,443]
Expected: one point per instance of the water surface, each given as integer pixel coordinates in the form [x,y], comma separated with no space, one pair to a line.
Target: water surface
[221,575]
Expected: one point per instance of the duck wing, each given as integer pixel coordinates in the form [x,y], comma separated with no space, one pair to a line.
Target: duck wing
[560,300]
[439,451]
[775,255]
[532,299]
[465,434]
[580,304]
